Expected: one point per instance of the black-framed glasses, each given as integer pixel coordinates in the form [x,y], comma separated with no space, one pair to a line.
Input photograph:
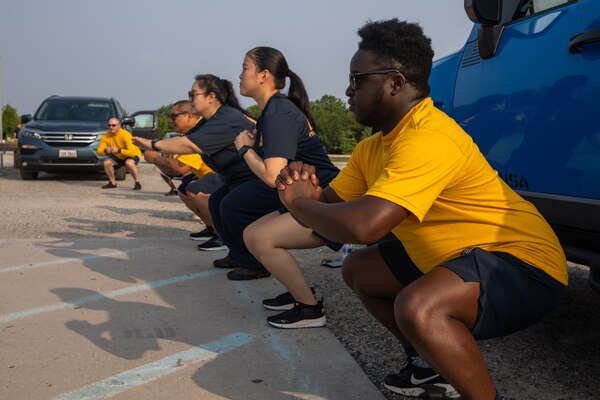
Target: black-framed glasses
[173,116]
[192,94]
[354,77]
[112,125]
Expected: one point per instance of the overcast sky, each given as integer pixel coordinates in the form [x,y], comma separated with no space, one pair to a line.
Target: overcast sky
[146,53]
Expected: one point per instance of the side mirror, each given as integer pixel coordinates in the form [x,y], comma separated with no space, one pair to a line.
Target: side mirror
[487,13]
[25,118]
[128,121]
[484,12]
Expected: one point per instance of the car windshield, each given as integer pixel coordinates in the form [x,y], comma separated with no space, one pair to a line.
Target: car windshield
[75,110]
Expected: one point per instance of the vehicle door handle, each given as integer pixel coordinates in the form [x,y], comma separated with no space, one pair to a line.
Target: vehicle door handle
[577,42]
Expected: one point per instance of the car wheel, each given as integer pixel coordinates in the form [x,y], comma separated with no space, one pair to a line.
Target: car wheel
[28,175]
[120,173]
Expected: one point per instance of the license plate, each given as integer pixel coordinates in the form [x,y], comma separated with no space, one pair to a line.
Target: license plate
[70,153]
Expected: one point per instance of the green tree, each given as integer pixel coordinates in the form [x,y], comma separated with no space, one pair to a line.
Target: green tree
[254,110]
[164,120]
[338,130]
[10,120]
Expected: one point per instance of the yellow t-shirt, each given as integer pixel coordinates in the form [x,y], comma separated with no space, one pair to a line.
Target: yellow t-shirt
[431,167]
[194,161]
[121,140]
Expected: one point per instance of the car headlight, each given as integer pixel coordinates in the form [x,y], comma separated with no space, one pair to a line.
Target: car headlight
[31,134]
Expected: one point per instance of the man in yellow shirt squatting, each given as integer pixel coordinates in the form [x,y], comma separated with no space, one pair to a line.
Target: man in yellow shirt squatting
[469,258]
[117,145]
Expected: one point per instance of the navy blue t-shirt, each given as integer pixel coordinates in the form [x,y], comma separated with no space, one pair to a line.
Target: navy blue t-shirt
[215,136]
[283,131]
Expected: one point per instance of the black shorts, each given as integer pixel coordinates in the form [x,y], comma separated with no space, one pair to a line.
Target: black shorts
[513,294]
[208,184]
[121,163]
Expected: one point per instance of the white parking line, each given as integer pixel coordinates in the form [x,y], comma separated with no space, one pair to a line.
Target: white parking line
[115,293]
[152,371]
[70,259]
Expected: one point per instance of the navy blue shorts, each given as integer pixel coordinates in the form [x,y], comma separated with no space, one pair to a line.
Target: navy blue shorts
[208,184]
[121,163]
[514,294]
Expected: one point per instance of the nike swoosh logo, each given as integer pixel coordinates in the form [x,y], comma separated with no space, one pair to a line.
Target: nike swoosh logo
[416,381]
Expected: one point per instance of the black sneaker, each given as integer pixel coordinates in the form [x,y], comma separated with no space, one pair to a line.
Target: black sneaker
[282,302]
[300,316]
[205,234]
[215,243]
[109,185]
[246,274]
[225,262]
[137,186]
[418,382]
[172,192]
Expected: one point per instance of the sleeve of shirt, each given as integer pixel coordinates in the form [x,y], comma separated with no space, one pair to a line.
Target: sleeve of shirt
[213,136]
[130,150]
[102,146]
[280,134]
[350,183]
[418,170]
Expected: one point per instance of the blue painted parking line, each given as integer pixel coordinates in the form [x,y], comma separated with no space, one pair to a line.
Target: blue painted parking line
[152,371]
[70,259]
[115,293]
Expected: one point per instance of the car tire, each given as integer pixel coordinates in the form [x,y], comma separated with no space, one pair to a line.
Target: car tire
[28,175]
[120,173]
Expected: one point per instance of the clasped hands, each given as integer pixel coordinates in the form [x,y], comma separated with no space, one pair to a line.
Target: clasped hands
[111,150]
[297,181]
[245,138]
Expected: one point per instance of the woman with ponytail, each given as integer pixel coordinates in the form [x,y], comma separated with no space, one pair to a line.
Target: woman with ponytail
[222,120]
[285,132]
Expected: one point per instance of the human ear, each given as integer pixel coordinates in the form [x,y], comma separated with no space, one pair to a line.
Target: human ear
[398,83]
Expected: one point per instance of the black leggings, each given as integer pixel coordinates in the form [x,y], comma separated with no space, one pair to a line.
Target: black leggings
[234,208]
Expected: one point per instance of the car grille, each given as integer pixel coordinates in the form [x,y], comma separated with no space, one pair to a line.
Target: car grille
[69,139]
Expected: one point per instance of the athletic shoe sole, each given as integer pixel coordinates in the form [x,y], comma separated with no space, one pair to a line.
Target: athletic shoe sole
[306,323]
[203,238]
[283,307]
[212,248]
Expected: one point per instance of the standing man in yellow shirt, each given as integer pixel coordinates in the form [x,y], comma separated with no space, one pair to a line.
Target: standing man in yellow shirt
[118,146]
[470,259]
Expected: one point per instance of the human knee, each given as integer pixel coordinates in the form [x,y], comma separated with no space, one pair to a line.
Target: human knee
[351,268]
[413,311]
[108,164]
[130,163]
[255,240]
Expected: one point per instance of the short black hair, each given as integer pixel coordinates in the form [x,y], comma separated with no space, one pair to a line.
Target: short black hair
[403,45]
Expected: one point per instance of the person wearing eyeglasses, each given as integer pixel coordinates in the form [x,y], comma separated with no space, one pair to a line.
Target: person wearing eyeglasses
[470,259]
[117,144]
[198,181]
[223,118]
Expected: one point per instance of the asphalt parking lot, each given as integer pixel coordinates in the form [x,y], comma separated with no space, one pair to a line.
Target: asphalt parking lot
[103,296]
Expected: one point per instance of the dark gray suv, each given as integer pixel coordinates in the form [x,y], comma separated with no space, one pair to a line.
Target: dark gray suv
[64,133]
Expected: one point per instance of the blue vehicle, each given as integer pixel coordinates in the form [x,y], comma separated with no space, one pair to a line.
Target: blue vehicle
[526,87]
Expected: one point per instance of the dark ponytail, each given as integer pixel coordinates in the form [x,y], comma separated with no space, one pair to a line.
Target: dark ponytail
[273,60]
[222,88]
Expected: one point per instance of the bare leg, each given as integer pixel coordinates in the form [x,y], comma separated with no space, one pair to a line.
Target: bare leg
[269,239]
[132,168]
[188,203]
[200,203]
[109,168]
[436,313]
[168,180]
[367,274]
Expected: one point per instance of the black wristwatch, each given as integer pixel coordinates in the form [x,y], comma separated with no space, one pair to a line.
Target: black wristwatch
[243,150]
[154,144]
